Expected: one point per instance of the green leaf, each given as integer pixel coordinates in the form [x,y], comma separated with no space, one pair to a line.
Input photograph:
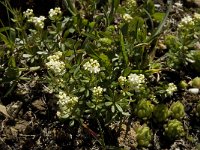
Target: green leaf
[70,6]
[124,29]
[127,71]
[108,97]
[11,73]
[105,59]
[113,108]
[91,105]
[150,7]
[5,40]
[119,107]
[12,62]
[158,16]
[82,89]
[116,4]
[123,49]
[87,93]
[125,114]
[108,103]
[136,24]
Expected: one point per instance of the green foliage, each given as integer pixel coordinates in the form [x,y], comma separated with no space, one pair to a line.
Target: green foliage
[195,58]
[144,109]
[177,110]
[174,129]
[99,62]
[143,136]
[160,113]
[183,85]
[183,48]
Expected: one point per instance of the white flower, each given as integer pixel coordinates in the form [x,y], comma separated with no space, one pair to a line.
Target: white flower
[131,3]
[122,80]
[127,17]
[58,67]
[92,66]
[28,13]
[66,104]
[55,65]
[188,20]
[135,81]
[38,21]
[55,12]
[197,16]
[171,88]
[97,91]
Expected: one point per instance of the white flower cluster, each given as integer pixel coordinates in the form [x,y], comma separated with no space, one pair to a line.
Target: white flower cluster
[171,88]
[186,21]
[28,13]
[37,21]
[134,81]
[97,91]
[127,17]
[196,16]
[92,66]
[55,65]
[122,80]
[53,13]
[66,104]
[131,3]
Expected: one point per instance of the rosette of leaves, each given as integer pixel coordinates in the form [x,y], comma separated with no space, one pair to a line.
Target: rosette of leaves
[143,136]
[144,109]
[195,83]
[160,113]
[177,110]
[174,129]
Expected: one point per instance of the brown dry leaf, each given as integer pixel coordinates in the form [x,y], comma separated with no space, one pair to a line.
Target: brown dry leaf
[4,111]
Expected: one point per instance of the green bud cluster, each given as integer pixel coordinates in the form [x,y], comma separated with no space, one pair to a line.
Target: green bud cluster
[161,113]
[143,136]
[174,129]
[177,110]
[144,109]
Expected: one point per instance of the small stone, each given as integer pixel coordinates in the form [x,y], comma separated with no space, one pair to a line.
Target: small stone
[193,90]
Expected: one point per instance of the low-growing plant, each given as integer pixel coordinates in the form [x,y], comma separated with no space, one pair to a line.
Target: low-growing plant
[144,109]
[144,136]
[161,113]
[195,83]
[183,47]
[98,62]
[174,129]
[177,110]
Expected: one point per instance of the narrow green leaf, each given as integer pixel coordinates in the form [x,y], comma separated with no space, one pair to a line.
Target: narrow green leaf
[108,103]
[119,107]
[113,108]
[123,49]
